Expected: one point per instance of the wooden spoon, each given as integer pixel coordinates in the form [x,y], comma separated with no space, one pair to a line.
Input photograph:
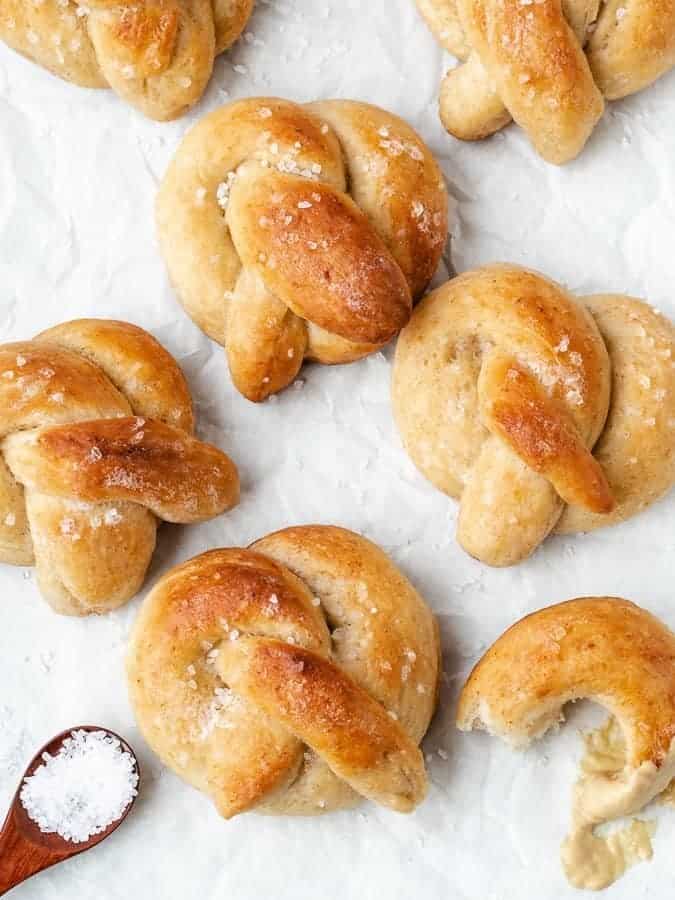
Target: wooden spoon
[24,849]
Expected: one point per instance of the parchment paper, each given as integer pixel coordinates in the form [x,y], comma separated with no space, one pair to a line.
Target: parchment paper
[78,174]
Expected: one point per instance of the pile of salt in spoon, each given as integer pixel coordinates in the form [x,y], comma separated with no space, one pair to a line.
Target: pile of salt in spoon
[81,790]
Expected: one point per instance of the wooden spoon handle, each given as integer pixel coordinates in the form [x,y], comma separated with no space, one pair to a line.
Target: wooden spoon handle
[19,859]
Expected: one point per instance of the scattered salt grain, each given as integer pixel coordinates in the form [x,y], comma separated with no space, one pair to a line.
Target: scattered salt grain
[223,190]
[112,517]
[83,789]
[67,527]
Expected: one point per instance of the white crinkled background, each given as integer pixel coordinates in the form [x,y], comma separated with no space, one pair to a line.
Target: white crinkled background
[78,174]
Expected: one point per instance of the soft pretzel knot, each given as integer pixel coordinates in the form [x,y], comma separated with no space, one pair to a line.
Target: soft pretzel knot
[501,388]
[157,55]
[295,677]
[96,445]
[547,64]
[600,648]
[295,232]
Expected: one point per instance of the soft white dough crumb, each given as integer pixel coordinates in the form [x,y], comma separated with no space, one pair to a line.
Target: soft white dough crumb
[83,789]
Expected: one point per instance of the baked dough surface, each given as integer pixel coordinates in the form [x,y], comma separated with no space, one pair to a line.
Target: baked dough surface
[295,677]
[503,384]
[156,54]
[96,447]
[548,65]
[617,654]
[297,232]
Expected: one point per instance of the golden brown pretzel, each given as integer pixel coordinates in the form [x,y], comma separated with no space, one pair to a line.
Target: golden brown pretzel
[156,54]
[294,677]
[599,648]
[501,387]
[295,232]
[96,445]
[547,64]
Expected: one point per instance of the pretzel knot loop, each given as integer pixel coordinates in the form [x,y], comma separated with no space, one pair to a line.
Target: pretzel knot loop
[95,447]
[292,678]
[295,232]
[501,387]
[547,64]
[157,55]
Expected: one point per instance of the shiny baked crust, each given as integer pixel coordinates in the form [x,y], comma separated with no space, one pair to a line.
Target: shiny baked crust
[96,445]
[295,677]
[501,388]
[157,55]
[295,232]
[599,648]
[548,65]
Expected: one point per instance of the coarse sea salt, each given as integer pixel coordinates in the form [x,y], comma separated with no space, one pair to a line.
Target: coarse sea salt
[82,789]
